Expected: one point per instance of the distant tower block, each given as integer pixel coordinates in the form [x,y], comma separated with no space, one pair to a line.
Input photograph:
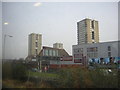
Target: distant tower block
[58,45]
[87,31]
[34,44]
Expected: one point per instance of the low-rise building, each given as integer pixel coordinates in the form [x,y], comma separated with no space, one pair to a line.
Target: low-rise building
[84,52]
[53,57]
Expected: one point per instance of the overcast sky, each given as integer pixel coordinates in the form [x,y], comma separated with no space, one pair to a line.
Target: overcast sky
[56,21]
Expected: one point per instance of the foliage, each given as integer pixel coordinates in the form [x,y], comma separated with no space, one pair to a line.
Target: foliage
[42,74]
[64,78]
[19,71]
[14,71]
[6,70]
[74,78]
[101,79]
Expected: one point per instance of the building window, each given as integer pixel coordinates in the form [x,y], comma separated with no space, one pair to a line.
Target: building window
[54,53]
[46,52]
[109,48]
[95,55]
[92,55]
[75,50]
[36,36]
[36,51]
[50,52]
[92,35]
[36,44]
[77,60]
[78,55]
[92,49]
[109,54]
[92,24]
[81,49]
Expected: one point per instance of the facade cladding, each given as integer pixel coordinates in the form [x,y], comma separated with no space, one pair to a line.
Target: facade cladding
[96,50]
[87,31]
[34,45]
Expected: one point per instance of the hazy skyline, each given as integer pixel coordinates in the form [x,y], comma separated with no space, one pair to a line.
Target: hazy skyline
[56,21]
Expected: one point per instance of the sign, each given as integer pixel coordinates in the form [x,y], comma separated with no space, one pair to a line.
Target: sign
[70,58]
[77,60]
[78,55]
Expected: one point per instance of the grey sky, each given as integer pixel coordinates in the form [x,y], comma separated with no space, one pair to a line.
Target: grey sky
[56,21]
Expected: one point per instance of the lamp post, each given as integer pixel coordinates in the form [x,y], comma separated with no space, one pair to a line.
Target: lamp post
[39,60]
[4,45]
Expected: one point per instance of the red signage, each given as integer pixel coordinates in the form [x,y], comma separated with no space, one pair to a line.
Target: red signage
[77,60]
[78,55]
[70,58]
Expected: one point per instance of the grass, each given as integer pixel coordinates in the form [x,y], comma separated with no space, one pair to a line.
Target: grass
[8,83]
[43,74]
[74,78]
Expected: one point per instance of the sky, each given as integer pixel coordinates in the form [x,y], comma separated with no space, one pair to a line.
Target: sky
[56,21]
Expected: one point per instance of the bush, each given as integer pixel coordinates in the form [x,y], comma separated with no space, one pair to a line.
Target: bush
[6,70]
[102,80]
[14,71]
[84,78]
[74,78]
[19,72]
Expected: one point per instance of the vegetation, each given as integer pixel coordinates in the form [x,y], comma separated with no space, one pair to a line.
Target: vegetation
[42,74]
[17,76]
[14,71]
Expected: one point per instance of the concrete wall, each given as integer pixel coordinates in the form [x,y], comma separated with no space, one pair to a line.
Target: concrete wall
[84,31]
[32,44]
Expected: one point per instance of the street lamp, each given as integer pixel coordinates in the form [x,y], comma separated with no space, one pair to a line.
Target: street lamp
[6,23]
[4,45]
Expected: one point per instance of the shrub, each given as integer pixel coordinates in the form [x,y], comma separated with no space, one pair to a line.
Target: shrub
[6,71]
[19,72]
[84,78]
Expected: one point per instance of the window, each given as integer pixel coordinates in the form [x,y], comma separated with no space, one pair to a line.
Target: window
[109,54]
[78,55]
[36,44]
[36,51]
[77,60]
[75,50]
[46,52]
[92,49]
[36,36]
[92,35]
[80,50]
[92,24]
[53,52]
[50,52]
[56,52]
[95,55]
[109,48]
